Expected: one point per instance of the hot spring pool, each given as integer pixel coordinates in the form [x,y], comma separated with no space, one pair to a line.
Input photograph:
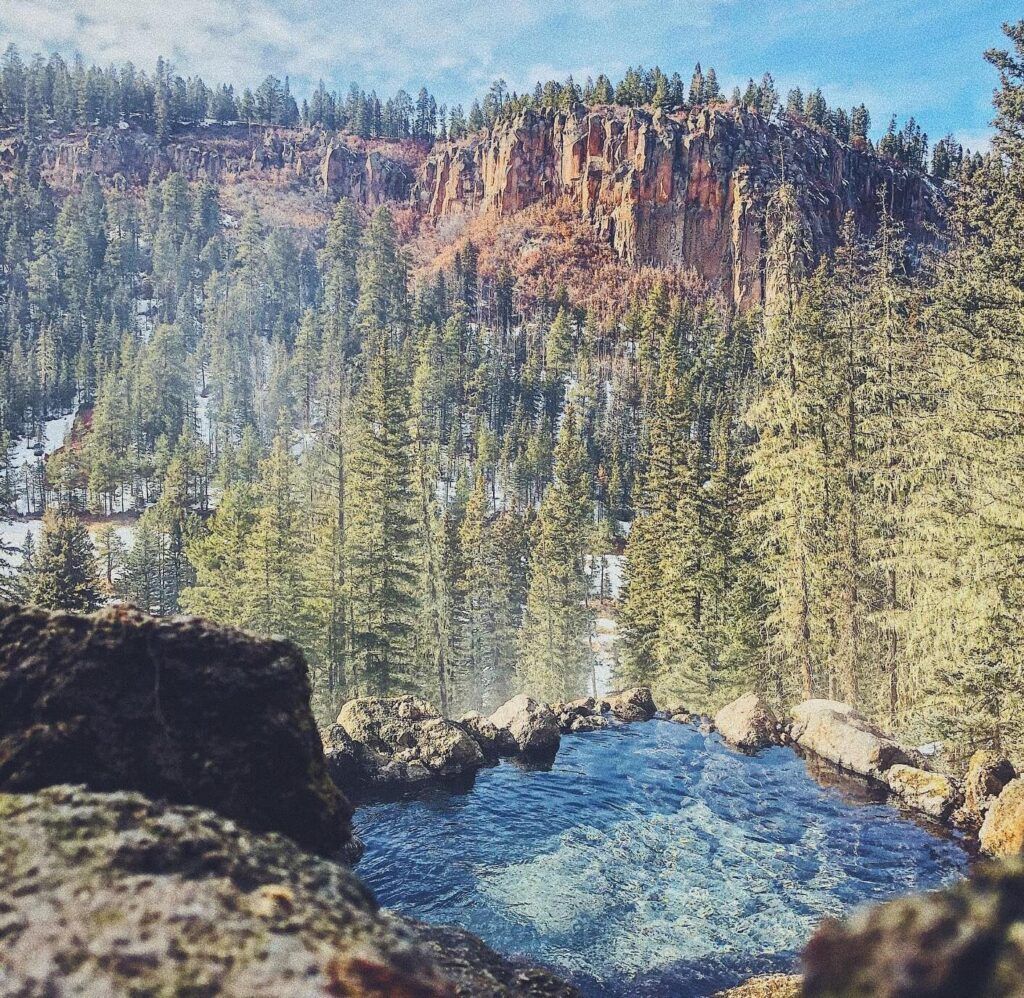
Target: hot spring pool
[650,859]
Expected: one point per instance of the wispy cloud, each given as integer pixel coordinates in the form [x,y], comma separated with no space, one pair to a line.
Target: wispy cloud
[915,56]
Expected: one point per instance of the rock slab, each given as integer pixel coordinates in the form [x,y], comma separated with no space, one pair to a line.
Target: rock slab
[934,794]
[176,709]
[836,732]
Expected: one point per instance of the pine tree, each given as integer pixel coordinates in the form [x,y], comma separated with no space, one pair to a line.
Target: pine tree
[63,570]
[556,660]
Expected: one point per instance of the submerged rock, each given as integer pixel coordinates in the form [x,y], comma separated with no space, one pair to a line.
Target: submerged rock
[532,725]
[174,708]
[748,723]
[636,704]
[965,941]
[390,740]
[1002,832]
[934,794]
[837,733]
[113,894]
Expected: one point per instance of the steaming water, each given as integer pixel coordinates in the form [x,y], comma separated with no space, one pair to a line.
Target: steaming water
[649,860]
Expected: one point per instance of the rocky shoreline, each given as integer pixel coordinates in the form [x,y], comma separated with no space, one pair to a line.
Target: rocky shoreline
[170,823]
[380,744]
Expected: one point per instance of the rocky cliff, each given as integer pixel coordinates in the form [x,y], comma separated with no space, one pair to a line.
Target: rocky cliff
[371,173]
[680,190]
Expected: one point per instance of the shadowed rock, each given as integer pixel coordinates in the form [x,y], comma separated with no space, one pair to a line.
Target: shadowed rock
[635,704]
[112,894]
[174,708]
[987,774]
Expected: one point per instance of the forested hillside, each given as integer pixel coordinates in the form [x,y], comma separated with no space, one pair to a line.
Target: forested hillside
[452,435]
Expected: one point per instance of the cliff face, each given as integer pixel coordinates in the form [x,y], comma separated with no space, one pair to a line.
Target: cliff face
[675,190]
[336,166]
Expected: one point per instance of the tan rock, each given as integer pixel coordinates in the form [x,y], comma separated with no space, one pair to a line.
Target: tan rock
[748,722]
[634,704]
[987,774]
[531,724]
[769,986]
[1002,832]
[836,732]
[932,793]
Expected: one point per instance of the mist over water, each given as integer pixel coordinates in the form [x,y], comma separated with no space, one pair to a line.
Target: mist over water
[649,860]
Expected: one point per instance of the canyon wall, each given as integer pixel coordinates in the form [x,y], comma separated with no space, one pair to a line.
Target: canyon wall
[687,190]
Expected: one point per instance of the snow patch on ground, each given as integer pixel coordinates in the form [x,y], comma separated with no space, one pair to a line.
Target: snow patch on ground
[612,567]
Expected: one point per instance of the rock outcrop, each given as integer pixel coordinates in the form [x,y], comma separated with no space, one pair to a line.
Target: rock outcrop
[836,732]
[176,709]
[683,189]
[494,742]
[381,741]
[1002,832]
[934,794]
[748,723]
[965,941]
[532,726]
[114,894]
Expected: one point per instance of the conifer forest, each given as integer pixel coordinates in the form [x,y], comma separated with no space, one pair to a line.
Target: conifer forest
[327,366]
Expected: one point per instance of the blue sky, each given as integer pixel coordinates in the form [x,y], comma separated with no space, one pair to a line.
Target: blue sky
[920,57]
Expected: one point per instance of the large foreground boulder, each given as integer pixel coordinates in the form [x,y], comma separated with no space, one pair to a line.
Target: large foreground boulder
[1002,832]
[399,740]
[965,941]
[748,723]
[531,724]
[112,894]
[174,708]
[836,732]
[635,704]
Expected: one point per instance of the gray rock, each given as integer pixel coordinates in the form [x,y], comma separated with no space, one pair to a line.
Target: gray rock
[393,740]
[494,742]
[532,725]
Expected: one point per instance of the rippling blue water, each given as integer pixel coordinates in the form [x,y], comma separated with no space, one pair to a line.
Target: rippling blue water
[650,859]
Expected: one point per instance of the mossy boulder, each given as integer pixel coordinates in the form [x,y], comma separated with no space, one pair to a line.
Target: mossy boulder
[177,709]
[113,894]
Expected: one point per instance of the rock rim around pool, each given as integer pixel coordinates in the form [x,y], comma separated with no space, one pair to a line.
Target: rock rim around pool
[1002,832]
[175,708]
[115,894]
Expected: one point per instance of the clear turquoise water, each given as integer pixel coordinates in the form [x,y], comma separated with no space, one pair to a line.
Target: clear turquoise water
[649,860]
